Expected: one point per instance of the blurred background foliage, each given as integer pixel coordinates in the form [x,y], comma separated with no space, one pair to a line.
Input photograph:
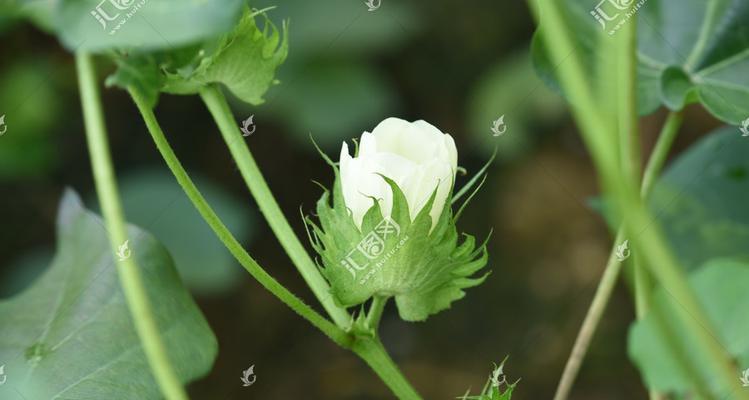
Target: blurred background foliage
[458,65]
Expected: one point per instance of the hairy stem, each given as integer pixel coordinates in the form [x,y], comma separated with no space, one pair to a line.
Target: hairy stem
[226,237]
[127,269]
[217,105]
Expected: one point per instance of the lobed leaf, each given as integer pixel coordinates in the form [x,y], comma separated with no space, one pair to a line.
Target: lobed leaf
[70,335]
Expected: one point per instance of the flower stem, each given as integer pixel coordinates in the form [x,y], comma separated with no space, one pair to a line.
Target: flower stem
[219,109]
[127,269]
[331,330]
[375,311]
[374,354]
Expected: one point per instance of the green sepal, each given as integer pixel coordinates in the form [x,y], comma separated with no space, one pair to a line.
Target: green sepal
[422,265]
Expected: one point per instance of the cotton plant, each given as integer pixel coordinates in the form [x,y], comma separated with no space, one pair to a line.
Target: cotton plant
[392,200]
[387,228]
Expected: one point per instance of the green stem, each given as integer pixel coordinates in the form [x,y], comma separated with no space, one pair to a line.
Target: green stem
[368,348]
[613,268]
[647,236]
[127,269]
[374,354]
[590,323]
[375,311]
[221,113]
[660,152]
[331,330]
[628,117]
[611,273]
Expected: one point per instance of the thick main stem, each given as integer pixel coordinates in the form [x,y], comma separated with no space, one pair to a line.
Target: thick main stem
[217,105]
[127,269]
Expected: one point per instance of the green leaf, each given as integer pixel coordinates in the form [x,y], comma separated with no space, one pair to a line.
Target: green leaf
[152,198]
[701,199]
[244,60]
[143,24]
[676,89]
[424,268]
[70,335]
[721,288]
[707,42]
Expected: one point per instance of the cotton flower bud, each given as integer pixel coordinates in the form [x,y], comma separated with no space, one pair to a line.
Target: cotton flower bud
[390,230]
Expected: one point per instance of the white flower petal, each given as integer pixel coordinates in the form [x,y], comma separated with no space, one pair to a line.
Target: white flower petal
[417,156]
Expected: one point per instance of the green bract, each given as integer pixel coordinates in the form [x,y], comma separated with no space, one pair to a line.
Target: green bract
[396,256]
[244,60]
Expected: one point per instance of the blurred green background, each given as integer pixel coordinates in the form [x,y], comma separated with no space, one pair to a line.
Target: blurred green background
[459,65]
